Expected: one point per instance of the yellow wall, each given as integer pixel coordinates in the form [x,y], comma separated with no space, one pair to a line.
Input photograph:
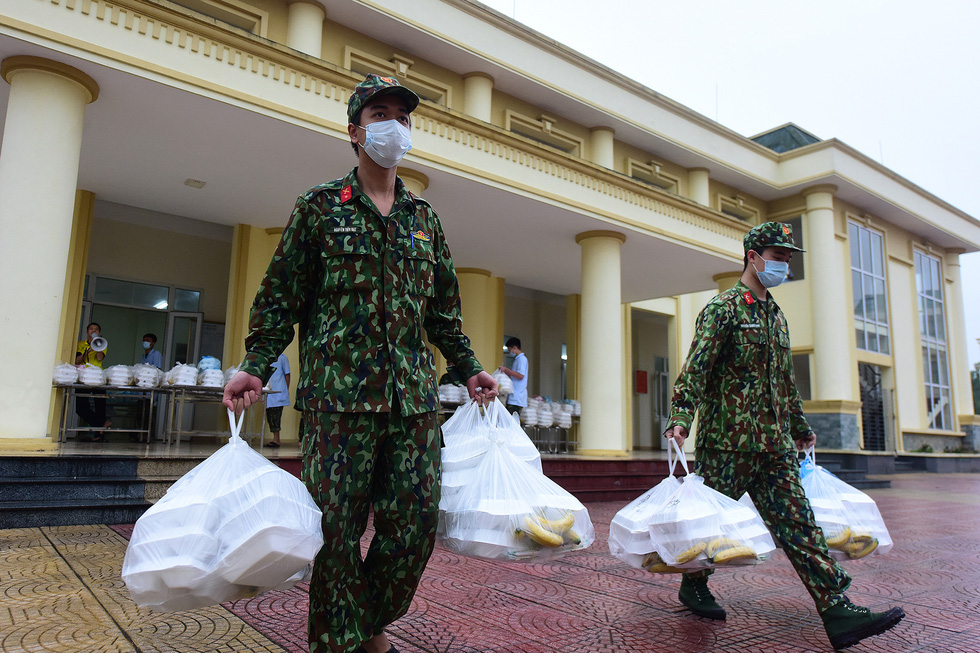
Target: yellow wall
[139,253]
[482,296]
[252,249]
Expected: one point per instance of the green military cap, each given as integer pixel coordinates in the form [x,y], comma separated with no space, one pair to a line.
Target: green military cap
[373,85]
[770,234]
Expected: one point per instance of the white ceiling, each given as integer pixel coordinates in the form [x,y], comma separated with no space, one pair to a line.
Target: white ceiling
[142,139]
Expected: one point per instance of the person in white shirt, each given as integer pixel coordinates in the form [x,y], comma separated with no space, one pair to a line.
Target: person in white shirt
[150,355]
[517,399]
[277,398]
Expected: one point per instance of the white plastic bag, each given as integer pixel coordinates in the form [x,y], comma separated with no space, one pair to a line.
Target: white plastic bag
[511,512]
[504,385]
[65,374]
[849,518]
[119,376]
[91,374]
[146,376]
[507,509]
[234,526]
[629,531]
[698,527]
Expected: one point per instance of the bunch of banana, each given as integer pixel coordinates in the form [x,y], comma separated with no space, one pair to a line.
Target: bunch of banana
[653,563]
[855,544]
[725,550]
[550,532]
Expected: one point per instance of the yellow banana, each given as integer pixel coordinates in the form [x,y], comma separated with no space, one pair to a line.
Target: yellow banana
[571,537]
[653,563]
[559,525]
[691,553]
[540,535]
[857,550]
[861,537]
[720,543]
[733,554]
[840,539]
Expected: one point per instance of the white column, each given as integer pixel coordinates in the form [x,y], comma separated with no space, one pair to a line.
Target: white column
[602,430]
[697,182]
[603,139]
[304,31]
[478,95]
[959,371]
[828,285]
[42,140]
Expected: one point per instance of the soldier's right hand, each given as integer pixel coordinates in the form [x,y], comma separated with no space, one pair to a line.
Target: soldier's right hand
[676,433]
[242,391]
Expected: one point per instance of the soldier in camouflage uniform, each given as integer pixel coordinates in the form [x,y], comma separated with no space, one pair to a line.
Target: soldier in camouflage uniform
[362,268]
[739,378]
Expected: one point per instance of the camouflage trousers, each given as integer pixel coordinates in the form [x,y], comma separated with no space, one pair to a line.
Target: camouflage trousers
[352,463]
[773,482]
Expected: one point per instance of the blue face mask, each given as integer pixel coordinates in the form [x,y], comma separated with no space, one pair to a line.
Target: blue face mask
[774,273]
[147,345]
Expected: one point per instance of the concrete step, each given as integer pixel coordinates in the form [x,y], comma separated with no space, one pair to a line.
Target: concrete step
[70,490]
[32,514]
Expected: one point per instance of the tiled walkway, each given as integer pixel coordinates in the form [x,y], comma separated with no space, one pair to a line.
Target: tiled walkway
[61,591]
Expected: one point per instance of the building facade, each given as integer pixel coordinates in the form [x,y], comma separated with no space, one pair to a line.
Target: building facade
[152,151]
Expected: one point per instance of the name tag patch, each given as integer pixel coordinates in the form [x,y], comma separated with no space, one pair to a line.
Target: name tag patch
[345,230]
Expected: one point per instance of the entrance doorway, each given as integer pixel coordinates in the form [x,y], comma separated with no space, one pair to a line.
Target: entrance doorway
[872,407]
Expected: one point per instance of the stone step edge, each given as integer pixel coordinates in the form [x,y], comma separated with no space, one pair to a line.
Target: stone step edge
[10,506]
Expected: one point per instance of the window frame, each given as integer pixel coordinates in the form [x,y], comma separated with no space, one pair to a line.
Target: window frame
[865,274]
[935,353]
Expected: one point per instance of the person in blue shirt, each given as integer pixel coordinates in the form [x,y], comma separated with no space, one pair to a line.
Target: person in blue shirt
[277,398]
[518,375]
[150,355]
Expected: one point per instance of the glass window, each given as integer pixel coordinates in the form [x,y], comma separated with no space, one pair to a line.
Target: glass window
[868,286]
[801,369]
[131,293]
[932,325]
[187,300]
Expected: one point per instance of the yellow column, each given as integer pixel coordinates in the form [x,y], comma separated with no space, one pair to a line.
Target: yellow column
[482,296]
[697,182]
[832,361]
[602,429]
[304,30]
[42,141]
[726,280]
[959,371]
[478,95]
[603,139]
[415,181]
[71,308]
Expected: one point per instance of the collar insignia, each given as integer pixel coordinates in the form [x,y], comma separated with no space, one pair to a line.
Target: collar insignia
[346,193]
[749,299]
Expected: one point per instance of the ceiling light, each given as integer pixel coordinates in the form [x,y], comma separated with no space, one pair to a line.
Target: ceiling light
[160,305]
[195,183]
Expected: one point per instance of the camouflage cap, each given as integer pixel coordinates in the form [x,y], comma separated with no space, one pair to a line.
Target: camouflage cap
[770,234]
[374,84]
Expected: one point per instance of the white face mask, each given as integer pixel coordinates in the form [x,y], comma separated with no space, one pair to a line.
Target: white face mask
[387,142]
[146,345]
[773,274]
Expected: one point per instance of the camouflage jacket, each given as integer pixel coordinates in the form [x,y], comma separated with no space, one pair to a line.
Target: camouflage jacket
[361,287]
[739,377]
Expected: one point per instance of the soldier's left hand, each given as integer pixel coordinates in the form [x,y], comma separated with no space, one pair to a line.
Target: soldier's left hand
[481,388]
[805,443]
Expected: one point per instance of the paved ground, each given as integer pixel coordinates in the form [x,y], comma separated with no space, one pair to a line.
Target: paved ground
[62,592]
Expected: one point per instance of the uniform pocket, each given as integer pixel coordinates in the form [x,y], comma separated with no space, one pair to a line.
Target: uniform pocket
[419,269]
[347,264]
[750,348]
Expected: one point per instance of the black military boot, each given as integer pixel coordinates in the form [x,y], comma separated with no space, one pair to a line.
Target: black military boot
[847,624]
[697,597]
